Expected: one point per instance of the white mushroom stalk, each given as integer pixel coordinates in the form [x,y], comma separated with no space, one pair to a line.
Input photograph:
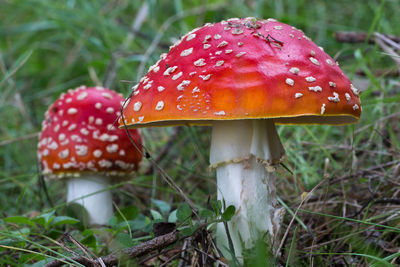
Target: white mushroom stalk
[244,153]
[91,192]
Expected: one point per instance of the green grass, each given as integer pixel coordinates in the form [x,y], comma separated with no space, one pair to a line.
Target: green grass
[47,47]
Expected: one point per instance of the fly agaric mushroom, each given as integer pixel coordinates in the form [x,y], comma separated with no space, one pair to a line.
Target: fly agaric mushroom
[242,76]
[80,143]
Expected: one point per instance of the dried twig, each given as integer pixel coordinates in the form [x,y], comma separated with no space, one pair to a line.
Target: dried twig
[388,46]
[87,253]
[360,37]
[133,252]
[387,40]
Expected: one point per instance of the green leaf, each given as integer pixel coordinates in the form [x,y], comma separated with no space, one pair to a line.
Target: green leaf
[183,212]
[140,222]
[206,213]
[21,232]
[44,219]
[123,225]
[113,221]
[228,213]
[156,215]
[163,206]
[189,230]
[39,263]
[172,217]
[89,241]
[129,213]
[125,240]
[87,232]
[31,257]
[8,242]
[61,220]
[217,206]
[19,220]
[76,210]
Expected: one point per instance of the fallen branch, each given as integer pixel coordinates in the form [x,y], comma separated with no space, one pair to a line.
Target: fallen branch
[389,46]
[361,37]
[133,252]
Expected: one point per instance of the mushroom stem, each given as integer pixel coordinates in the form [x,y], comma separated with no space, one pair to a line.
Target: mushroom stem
[244,153]
[91,193]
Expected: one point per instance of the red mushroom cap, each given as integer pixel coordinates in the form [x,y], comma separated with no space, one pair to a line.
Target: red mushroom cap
[78,135]
[243,69]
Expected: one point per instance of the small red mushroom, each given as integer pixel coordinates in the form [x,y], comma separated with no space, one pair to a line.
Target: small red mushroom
[80,142]
[242,76]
